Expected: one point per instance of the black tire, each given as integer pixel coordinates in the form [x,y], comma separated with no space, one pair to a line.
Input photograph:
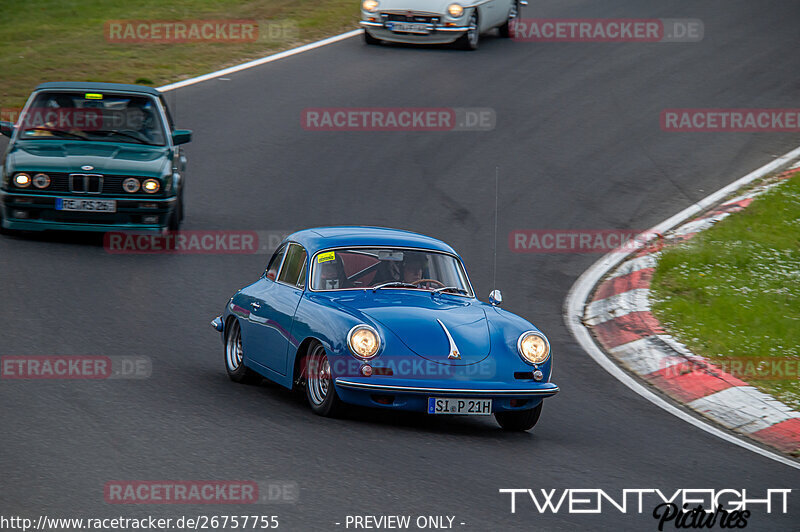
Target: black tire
[320,392]
[174,221]
[234,365]
[519,421]
[505,29]
[471,39]
[369,39]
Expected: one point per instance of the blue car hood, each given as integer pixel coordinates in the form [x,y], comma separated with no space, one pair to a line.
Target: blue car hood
[413,318]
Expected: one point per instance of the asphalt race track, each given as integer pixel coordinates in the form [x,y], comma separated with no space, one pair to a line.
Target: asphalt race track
[579,146]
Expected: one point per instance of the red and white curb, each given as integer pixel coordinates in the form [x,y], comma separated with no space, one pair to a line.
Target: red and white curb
[610,306]
[619,315]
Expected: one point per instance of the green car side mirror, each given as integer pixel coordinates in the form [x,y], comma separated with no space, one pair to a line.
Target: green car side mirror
[181,136]
[6,128]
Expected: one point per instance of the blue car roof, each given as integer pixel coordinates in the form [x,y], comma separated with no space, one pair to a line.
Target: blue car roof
[95,86]
[320,238]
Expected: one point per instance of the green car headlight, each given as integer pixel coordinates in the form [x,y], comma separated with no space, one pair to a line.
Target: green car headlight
[22,180]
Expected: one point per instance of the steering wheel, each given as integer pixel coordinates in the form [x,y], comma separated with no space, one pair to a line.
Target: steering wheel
[428,281]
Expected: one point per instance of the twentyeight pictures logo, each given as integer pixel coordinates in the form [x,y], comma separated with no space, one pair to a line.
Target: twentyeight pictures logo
[683,508]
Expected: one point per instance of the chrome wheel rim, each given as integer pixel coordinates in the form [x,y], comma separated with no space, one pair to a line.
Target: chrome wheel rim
[233,348]
[319,375]
[472,33]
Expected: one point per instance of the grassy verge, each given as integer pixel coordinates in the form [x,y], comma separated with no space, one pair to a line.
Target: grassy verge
[64,40]
[732,293]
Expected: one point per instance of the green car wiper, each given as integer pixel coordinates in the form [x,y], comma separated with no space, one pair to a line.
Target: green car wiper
[121,133]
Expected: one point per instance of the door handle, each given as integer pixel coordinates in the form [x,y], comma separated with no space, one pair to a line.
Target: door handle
[255,305]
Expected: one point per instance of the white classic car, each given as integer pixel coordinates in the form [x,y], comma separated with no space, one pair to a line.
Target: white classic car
[437,21]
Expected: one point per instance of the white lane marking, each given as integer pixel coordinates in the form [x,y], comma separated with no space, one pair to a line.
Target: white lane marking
[261,61]
[634,265]
[582,289]
[646,355]
[743,408]
[618,305]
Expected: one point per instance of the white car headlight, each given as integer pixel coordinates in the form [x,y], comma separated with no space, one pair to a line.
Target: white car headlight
[369,5]
[455,10]
[533,347]
[363,341]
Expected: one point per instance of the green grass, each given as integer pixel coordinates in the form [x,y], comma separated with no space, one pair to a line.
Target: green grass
[733,291]
[64,40]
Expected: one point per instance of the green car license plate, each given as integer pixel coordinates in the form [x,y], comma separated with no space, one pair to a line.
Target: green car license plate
[85,205]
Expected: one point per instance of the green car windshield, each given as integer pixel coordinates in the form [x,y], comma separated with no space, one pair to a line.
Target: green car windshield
[93,117]
[388,268]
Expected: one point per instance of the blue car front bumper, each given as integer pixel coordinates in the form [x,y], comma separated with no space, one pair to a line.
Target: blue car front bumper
[413,395]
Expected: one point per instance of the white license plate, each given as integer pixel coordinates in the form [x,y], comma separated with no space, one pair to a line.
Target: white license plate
[85,205]
[408,27]
[454,405]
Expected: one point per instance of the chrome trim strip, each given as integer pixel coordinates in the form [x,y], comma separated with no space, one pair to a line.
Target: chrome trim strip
[454,354]
[434,28]
[443,391]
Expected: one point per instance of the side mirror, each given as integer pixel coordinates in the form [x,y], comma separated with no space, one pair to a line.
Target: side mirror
[6,129]
[181,136]
[495,298]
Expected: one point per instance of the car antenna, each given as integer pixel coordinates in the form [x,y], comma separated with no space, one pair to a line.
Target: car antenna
[494,268]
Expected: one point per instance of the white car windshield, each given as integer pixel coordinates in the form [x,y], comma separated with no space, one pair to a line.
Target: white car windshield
[388,268]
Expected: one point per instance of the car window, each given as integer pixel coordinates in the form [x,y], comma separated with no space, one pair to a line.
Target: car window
[301,281]
[275,263]
[293,264]
[345,269]
[94,117]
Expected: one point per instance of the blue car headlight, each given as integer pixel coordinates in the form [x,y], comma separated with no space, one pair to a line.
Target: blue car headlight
[533,347]
[363,341]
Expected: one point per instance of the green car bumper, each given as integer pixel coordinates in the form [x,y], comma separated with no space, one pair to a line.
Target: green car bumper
[37,212]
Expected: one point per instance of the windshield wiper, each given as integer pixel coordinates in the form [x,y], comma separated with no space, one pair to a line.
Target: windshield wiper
[57,131]
[394,283]
[108,132]
[447,288]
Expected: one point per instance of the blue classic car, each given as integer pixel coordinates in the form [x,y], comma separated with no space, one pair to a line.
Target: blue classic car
[93,157]
[388,319]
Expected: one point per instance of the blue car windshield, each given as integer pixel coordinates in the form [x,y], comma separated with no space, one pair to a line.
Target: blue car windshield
[92,116]
[388,269]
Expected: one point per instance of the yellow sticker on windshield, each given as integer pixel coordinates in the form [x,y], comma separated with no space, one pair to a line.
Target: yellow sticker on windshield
[92,96]
[325,257]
